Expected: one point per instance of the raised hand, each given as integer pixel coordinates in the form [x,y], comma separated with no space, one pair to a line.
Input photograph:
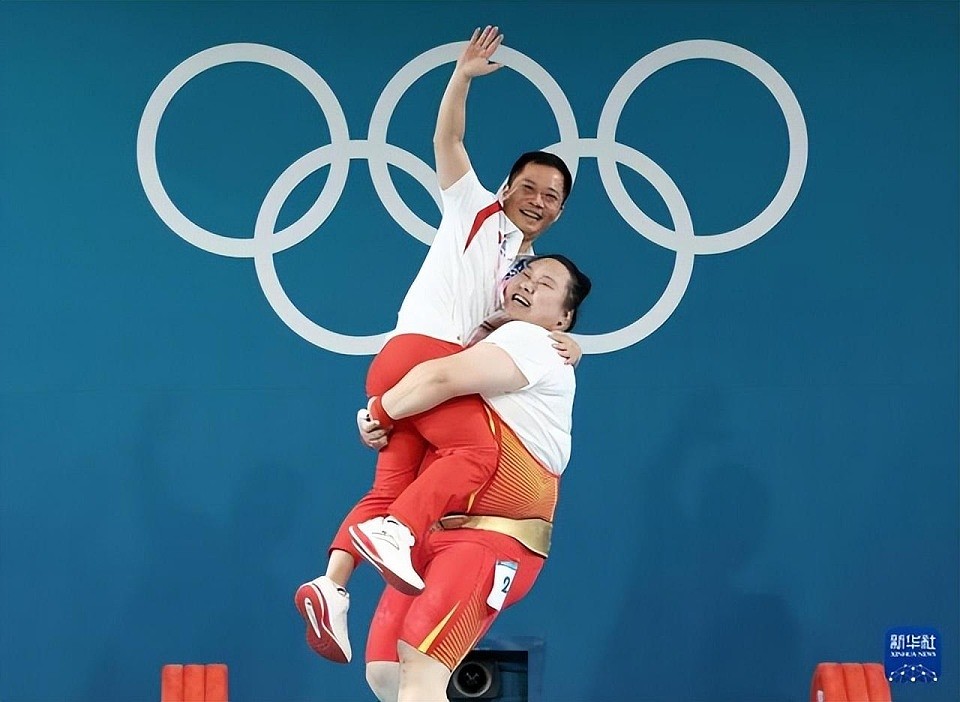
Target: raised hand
[451,155]
[475,59]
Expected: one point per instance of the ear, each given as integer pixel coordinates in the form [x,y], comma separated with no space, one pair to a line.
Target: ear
[564,322]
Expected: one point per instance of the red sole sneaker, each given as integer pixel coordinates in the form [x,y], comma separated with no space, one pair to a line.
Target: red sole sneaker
[369,552]
[313,609]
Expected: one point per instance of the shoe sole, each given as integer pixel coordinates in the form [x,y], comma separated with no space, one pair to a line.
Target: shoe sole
[369,552]
[319,636]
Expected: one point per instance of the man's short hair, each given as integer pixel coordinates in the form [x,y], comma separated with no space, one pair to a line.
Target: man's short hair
[577,289]
[544,158]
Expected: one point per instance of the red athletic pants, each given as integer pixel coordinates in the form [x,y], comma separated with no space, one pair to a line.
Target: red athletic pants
[460,432]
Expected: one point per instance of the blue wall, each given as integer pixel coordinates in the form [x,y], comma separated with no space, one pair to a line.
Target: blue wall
[766,481]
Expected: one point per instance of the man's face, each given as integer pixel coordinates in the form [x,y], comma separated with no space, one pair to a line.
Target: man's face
[534,200]
[537,294]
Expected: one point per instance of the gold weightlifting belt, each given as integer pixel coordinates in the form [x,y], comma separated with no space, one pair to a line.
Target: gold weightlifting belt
[532,533]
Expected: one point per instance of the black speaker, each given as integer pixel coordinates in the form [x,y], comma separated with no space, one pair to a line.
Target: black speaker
[490,675]
[476,678]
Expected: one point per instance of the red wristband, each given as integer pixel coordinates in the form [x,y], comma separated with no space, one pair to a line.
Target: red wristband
[379,415]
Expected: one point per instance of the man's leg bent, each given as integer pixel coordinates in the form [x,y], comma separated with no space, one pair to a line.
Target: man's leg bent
[467,453]
[399,461]
[397,466]
[400,355]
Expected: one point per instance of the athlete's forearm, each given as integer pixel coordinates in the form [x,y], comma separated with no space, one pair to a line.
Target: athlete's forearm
[483,369]
[424,387]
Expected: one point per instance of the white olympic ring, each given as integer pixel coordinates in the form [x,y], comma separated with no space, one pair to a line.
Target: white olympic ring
[379,155]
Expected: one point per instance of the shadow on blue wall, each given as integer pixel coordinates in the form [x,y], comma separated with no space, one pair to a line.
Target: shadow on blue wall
[195,563]
[698,634]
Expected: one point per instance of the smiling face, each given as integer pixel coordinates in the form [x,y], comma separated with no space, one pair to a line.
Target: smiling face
[538,294]
[534,199]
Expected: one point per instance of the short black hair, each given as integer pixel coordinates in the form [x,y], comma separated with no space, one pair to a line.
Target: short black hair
[543,158]
[577,289]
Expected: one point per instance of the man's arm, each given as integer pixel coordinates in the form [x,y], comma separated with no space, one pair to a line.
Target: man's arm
[485,369]
[449,151]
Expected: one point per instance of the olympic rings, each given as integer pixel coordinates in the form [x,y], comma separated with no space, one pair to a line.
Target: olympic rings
[379,155]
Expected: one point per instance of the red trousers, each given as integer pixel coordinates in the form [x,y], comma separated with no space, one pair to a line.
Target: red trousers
[459,432]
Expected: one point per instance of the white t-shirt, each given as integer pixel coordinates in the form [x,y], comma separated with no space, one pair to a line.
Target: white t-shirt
[541,413]
[457,286]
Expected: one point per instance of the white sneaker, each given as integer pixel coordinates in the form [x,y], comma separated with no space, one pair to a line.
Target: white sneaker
[386,543]
[323,605]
